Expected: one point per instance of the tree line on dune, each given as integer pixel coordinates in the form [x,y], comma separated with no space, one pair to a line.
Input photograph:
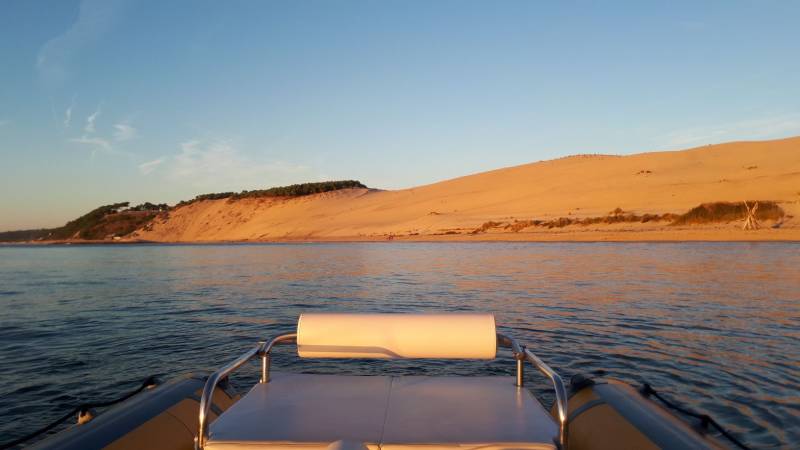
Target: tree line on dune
[121,219]
[295,190]
[116,219]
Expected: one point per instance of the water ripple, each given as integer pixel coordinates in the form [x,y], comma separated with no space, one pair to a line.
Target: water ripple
[715,326]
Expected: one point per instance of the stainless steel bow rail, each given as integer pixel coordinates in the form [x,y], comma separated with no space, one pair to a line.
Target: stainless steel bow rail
[264,350]
[522,354]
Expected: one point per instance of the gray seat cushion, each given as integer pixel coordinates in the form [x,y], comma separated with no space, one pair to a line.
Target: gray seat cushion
[464,410]
[311,411]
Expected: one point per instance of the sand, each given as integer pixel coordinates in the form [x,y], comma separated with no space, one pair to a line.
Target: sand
[575,187]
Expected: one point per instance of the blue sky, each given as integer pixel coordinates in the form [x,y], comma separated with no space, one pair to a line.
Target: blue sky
[111,100]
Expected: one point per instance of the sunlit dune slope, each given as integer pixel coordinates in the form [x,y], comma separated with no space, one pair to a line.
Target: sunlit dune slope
[576,186]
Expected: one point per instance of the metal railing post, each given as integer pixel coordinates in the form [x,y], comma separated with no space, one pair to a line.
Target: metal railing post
[264,361]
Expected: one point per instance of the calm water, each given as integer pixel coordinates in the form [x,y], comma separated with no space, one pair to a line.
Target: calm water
[716,326]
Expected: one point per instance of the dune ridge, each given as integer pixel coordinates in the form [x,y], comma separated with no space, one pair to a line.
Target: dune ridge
[581,186]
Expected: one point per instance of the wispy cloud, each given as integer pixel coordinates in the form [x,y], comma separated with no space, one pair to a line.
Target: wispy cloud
[68,115]
[90,121]
[761,128]
[95,143]
[95,18]
[124,131]
[217,164]
[148,167]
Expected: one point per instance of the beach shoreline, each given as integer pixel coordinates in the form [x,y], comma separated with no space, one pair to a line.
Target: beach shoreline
[662,234]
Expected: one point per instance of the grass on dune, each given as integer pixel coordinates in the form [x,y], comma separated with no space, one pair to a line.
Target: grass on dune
[727,212]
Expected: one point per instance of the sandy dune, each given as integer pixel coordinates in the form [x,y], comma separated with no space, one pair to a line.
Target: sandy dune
[576,186]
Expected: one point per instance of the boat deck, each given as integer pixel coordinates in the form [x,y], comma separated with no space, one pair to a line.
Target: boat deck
[299,411]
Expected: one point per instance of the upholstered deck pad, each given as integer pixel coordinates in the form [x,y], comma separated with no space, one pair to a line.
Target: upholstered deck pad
[312,411]
[301,408]
[464,410]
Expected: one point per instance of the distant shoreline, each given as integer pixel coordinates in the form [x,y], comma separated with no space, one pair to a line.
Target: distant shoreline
[695,234]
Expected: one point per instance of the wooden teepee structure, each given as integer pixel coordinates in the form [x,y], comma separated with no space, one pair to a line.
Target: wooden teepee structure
[750,222]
